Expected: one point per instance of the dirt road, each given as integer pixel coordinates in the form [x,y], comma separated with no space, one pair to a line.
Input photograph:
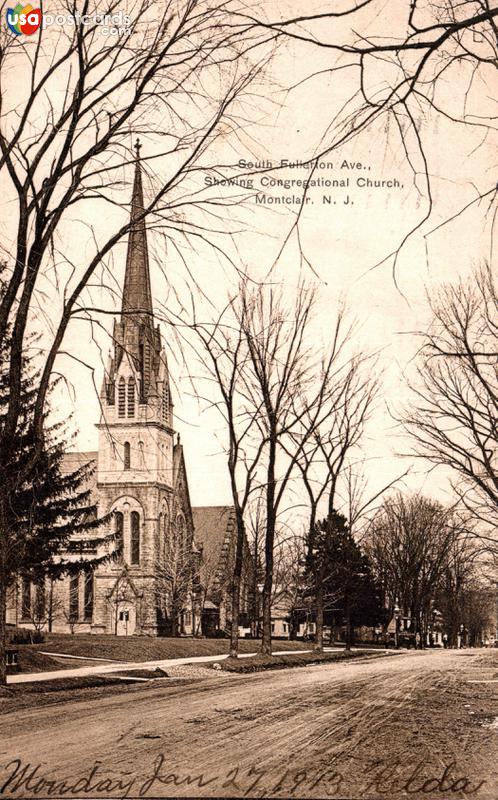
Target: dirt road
[413,725]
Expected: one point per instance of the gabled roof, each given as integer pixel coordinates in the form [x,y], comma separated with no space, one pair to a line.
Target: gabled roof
[121,581]
[211,525]
[179,472]
[73,460]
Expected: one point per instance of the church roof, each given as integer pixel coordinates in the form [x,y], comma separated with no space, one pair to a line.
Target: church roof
[137,296]
[211,525]
[75,459]
[214,528]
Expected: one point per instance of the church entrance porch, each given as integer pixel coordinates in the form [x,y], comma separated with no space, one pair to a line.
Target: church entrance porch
[126,621]
[124,606]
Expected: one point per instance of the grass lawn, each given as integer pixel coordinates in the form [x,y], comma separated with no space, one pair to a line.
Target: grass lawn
[16,696]
[63,684]
[143,648]
[32,661]
[260,662]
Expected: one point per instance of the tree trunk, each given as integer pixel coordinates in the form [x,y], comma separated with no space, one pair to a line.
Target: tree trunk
[266,641]
[255,604]
[255,590]
[348,624]
[50,606]
[3,629]
[234,628]
[318,646]
[237,575]
[269,543]
[174,622]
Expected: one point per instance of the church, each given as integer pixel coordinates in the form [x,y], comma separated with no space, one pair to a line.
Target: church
[158,583]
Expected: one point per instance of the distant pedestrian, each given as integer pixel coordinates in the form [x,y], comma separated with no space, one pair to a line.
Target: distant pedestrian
[417,640]
[445,640]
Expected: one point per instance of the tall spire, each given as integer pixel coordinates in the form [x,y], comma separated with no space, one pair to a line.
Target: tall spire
[137,297]
[134,334]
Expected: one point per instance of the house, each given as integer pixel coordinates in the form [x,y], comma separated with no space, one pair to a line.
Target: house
[282,606]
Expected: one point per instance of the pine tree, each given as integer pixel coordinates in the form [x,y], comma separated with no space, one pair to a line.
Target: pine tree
[339,573]
[48,522]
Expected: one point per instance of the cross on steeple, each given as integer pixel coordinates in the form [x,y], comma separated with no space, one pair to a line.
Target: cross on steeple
[138,147]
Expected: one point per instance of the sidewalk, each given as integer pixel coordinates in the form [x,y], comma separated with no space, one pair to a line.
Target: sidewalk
[128,666]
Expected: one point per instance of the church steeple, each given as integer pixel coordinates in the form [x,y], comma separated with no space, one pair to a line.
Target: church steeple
[137,296]
[134,333]
[136,429]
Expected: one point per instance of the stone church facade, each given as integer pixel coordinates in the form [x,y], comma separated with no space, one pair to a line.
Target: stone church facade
[140,481]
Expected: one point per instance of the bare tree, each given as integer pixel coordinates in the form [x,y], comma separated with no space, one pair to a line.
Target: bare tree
[462,571]
[328,462]
[409,543]
[57,157]
[479,612]
[179,77]
[288,383]
[177,575]
[256,537]
[226,350]
[453,419]
[413,68]
[324,457]
[38,612]
[289,561]
[268,383]
[211,582]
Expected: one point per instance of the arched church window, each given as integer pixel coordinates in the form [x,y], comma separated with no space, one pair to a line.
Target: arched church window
[74,597]
[118,531]
[121,397]
[131,397]
[127,455]
[135,537]
[166,401]
[88,595]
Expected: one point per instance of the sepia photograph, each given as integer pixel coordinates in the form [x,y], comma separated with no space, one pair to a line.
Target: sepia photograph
[249,399]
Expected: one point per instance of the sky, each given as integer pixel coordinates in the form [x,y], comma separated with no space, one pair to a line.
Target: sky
[346,231]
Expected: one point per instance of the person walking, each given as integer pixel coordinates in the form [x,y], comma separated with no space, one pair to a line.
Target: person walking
[445,640]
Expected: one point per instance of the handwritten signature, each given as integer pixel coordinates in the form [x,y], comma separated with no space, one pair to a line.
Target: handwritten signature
[384,778]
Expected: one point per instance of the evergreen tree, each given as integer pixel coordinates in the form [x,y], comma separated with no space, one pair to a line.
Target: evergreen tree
[48,522]
[338,570]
